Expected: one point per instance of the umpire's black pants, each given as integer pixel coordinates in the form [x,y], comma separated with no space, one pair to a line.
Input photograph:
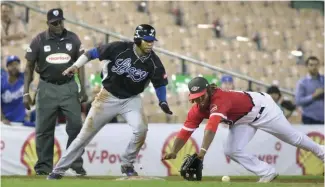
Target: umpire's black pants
[50,99]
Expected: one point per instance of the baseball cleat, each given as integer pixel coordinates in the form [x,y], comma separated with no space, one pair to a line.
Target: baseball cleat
[80,172]
[41,173]
[128,170]
[54,176]
[268,178]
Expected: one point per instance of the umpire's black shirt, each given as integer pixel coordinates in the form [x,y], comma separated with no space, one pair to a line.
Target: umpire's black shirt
[54,54]
[125,74]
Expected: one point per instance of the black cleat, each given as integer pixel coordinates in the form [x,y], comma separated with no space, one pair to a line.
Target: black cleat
[54,176]
[128,170]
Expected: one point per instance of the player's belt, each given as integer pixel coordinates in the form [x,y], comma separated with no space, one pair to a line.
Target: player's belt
[259,114]
[262,108]
[60,82]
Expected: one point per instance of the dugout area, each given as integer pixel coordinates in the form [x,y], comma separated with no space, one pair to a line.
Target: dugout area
[174,181]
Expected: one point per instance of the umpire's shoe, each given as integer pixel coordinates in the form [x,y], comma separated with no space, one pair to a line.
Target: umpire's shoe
[128,170]
[80,172]
[42,173]
[54,176]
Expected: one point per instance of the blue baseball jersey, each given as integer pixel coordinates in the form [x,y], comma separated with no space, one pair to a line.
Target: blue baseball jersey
[12,99]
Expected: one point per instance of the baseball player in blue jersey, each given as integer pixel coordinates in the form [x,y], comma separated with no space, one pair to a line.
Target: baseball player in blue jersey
[12,89]
[128,69]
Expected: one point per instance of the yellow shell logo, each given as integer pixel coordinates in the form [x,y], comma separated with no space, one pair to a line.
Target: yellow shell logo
[28,155]
[310,164]
[174,165]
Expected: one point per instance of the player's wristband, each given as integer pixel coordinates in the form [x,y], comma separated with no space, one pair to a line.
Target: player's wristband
[25,94]
[203,149]
[82,60]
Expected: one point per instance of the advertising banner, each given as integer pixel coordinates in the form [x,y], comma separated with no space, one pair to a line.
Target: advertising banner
[102,155]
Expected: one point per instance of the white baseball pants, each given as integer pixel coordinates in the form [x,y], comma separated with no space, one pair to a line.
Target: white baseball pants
[272,121]
[104,108]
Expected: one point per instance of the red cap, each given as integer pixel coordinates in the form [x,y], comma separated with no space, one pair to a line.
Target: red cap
[197,95]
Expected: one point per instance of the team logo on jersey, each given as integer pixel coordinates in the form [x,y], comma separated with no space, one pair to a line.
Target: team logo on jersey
[47,48]
[213,108]
[28,50]
[8,96]
[68,46]
[58,58]
[124,66]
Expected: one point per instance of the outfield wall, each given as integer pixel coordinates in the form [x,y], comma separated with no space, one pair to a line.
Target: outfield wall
[102,156]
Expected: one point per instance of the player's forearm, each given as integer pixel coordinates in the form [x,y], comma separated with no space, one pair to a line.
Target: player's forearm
[28,75]
[161,93]
[81,77]
[178,145]
[210,131]
[82,60]
[86,57]
[207,140]
[304,100]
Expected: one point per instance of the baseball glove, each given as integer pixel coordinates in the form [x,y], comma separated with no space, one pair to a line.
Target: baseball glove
[191,168]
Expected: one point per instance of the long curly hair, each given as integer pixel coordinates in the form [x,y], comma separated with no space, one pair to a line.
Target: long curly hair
[211,88]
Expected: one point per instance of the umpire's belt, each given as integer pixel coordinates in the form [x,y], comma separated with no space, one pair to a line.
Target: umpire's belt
[259,114]
[57,82]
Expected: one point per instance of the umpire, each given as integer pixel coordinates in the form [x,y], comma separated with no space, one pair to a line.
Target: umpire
[53,51]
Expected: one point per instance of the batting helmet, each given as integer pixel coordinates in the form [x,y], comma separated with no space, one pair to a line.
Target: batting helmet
[144,32]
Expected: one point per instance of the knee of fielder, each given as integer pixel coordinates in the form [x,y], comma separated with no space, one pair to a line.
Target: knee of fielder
[232,153]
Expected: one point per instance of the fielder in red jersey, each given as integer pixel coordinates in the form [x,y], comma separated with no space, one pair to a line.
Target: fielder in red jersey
[245,112]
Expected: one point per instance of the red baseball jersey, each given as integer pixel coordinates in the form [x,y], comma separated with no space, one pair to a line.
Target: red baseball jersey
[230,105]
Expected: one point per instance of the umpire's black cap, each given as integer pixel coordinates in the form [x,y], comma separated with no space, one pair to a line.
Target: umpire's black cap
[197,87]
[55,15]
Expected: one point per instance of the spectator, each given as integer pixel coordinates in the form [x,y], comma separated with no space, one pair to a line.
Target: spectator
[12,28]
[258,40]
[3,73]
[227,82]
[310,93]
[300,59]
[286,105]
[142,6]
[218,28]
[179,16]
[12,88]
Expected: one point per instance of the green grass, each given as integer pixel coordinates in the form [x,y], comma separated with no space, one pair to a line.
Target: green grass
[240,181]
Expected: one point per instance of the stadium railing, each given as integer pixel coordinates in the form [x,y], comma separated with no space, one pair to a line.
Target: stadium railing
[184,59]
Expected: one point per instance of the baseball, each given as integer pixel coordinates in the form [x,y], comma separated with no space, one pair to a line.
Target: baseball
[225,179]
